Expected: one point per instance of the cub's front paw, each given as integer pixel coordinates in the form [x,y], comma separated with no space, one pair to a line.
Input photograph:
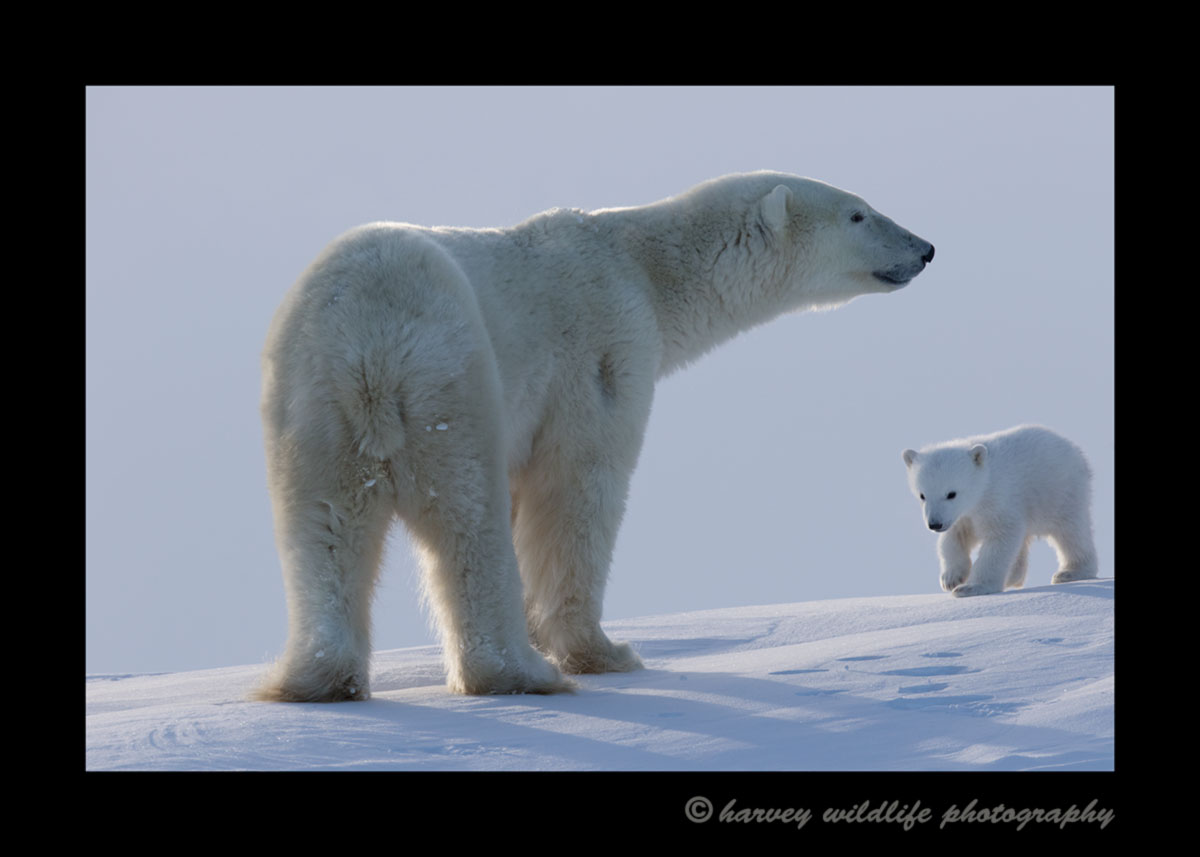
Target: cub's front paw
[952,577]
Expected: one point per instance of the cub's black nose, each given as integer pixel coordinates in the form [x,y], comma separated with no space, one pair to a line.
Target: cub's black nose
[936,526]
[928,257]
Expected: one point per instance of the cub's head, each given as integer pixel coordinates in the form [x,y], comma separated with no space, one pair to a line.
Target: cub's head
[948,481]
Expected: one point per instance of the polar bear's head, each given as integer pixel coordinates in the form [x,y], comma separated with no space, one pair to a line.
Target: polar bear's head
[948,481]
[742,249]
[841,247]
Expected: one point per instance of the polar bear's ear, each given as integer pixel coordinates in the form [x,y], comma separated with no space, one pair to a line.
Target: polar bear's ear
[775,207]
[910,455]
[978,454]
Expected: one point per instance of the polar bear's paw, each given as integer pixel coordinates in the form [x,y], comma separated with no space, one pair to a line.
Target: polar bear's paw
[314,685]
[968,589]
[495,674]
[608,657]
[1066,575]
[953,577]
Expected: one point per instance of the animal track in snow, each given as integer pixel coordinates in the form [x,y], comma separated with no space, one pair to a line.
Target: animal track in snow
[797,672]
[864,658]
[932,687]
[949,669]
[1059,641]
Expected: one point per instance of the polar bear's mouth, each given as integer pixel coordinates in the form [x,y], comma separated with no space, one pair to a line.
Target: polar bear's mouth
[892,278]
[901,273]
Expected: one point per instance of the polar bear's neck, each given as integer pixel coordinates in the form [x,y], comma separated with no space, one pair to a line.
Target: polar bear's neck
[710,277]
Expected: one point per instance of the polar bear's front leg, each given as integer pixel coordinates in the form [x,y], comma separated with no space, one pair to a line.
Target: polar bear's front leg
[1001,548]
[954,553]
[565,530]
[1020,567]
[568,503]
[569,498]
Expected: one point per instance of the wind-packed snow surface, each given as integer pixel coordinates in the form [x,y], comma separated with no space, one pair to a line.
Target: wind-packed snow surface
[1021,680]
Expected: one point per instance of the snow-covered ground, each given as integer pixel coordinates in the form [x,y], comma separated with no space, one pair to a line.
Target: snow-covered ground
[1017,681]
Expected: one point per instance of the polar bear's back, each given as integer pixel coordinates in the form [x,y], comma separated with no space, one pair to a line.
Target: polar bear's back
[1030,445]
[1037,468]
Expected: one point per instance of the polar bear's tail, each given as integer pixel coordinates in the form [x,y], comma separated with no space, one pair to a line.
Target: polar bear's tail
[398,321]
[370,397]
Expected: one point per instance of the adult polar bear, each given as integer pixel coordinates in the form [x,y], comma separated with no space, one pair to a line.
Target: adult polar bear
[491,388]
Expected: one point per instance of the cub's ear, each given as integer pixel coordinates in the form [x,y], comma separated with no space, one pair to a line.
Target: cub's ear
[910,455]
[978,454]
[775,207]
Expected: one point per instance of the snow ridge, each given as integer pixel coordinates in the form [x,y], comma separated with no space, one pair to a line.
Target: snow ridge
[1021,680]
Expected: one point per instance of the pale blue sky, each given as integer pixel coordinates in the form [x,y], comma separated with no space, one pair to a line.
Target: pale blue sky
[771,471]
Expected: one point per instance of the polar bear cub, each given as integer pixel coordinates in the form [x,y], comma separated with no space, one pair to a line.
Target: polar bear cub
[490,388]
[999,492]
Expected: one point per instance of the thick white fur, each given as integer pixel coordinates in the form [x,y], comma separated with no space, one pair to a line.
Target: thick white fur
[491,388]
[999,492]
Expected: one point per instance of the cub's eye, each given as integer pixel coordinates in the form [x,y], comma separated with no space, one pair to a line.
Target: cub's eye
[856,217]
[922,496]
[951,495]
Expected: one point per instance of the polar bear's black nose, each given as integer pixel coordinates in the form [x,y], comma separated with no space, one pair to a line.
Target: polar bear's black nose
[928,257]
[936,526]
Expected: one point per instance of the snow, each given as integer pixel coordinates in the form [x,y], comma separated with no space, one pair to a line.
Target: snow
[1021,680]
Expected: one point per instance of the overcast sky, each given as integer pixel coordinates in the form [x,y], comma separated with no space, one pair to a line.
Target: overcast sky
[771,471]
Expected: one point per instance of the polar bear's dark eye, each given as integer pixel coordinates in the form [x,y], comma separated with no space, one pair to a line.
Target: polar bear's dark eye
[922,496]
[951,495]
[856,217]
